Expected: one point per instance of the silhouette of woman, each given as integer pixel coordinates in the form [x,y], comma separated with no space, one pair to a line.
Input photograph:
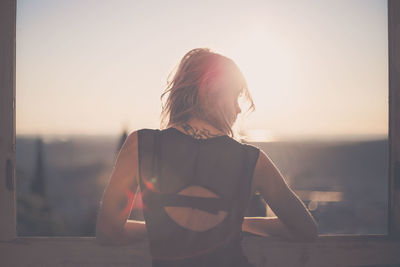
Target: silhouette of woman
[195,179]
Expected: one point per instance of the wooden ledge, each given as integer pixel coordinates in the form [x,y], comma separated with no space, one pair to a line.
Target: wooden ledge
[329,251]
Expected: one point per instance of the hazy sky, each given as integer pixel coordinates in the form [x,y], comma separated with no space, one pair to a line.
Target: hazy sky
[95,67]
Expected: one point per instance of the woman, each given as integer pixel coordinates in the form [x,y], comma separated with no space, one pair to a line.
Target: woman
[195,179]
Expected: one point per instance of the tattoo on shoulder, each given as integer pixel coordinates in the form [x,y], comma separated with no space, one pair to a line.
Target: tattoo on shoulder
[197,133]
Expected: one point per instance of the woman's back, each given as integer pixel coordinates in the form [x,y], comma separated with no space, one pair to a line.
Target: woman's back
[194,193]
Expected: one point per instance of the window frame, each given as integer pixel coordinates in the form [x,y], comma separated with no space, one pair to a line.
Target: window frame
[328,250]
[394,118]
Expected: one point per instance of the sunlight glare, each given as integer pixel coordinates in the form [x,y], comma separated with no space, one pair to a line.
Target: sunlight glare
[259,135]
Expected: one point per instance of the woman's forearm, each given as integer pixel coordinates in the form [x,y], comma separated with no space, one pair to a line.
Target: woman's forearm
[265,226]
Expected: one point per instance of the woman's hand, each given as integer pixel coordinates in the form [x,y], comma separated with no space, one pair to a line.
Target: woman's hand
[265,226]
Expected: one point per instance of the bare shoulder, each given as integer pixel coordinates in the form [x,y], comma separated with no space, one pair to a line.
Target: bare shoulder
[259,170]
[267,178]
[263,162]
[128,154]
[126,164]
[130,145]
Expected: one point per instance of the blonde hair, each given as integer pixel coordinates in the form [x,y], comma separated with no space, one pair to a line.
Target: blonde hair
[202,87]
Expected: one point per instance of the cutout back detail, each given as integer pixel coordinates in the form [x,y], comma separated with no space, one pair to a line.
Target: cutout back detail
[195,218]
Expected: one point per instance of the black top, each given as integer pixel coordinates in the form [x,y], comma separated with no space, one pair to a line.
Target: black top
[170,161]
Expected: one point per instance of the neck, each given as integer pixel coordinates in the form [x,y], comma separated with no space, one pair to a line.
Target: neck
[199,129]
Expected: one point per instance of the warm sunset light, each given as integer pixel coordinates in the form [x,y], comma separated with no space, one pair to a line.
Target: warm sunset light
[259,135]
[88,67]
[89,73]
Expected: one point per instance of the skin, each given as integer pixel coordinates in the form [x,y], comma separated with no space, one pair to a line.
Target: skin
[294,222]
[197,133]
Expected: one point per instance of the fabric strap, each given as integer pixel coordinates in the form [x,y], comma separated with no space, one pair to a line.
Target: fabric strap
[211,205]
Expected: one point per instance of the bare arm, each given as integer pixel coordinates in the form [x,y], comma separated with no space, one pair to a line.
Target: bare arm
[113,226]
[265,226]
[294,219]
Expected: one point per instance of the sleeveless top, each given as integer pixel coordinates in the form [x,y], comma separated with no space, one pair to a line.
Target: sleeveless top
[169,162]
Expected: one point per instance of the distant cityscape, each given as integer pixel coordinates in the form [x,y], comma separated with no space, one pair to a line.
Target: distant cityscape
[60,181]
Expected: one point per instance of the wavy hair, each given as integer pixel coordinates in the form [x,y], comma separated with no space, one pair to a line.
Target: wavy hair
[205,85]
